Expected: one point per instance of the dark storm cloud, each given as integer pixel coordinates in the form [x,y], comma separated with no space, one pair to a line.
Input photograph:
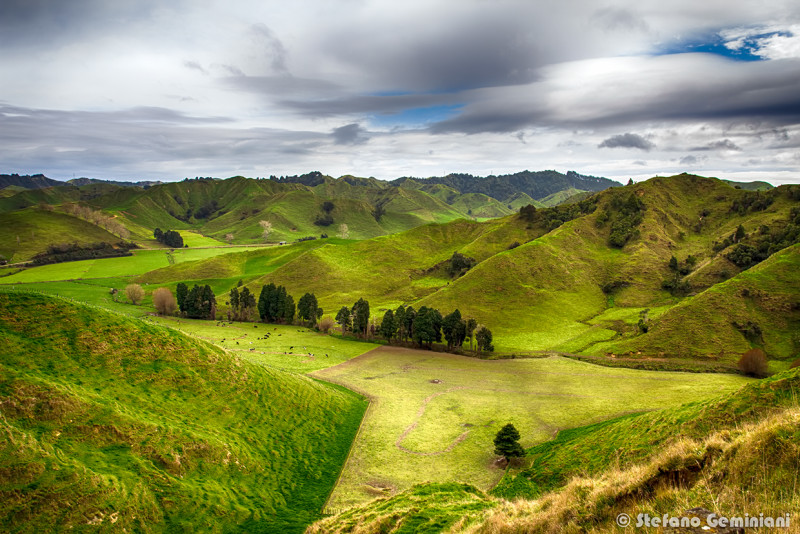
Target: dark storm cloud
[42,23]
[350,134]
[139,138]
[627,140]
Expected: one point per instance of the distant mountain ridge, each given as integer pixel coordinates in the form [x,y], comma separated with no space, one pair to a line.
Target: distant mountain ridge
[537,185]
[40,181]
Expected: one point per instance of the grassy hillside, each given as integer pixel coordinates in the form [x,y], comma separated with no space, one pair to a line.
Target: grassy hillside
[761,309]
[112,422]
[36,228]
[712,454]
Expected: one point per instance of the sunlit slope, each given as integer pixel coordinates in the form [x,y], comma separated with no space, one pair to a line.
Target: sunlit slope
[543,293]
[29,231]
[131,426]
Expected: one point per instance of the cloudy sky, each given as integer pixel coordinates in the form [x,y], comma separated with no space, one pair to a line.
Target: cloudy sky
[144,89]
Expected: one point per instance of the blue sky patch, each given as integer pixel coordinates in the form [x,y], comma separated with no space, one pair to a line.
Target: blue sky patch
[715,44]
[415,117]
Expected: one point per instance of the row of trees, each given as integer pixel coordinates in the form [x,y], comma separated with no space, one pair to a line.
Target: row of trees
[275,305]
[171,238]
[424,326]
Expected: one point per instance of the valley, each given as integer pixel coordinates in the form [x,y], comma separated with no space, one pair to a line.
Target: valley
[611,313]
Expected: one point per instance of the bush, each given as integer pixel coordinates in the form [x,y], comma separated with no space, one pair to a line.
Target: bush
[135,293]
[326,324]
[164,301]
[754,363]
[796,363]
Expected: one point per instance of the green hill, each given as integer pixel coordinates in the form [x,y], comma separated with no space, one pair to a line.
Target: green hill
[728,455]
[113,422]
[29,231]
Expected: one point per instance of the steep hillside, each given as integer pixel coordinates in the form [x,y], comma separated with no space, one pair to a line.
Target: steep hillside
[708,454]
[759,307]
[112,422]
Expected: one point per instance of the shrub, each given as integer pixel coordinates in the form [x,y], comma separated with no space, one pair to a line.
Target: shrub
[796,363]
[326,324]
[164,301]
[135,293]
[754,363]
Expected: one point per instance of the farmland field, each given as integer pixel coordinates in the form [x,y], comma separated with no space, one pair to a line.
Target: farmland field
[432,416]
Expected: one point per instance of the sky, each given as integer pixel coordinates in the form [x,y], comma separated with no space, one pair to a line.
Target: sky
[157,90]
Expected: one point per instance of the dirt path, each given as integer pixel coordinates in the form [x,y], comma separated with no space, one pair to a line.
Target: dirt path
[413,425]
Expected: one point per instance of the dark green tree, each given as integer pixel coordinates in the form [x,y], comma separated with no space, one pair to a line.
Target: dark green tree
[361,317]
[343,318]
[180,296]
[454,329]
[427,327]
[266,296]
[471,325]
[388,326]
[399,320]
[483,338]
[233,300]
[408,322]
[506,443]
[307,308]
[247,304]
[288,310]
[673,263]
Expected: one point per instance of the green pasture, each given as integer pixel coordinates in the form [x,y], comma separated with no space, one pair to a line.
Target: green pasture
[433,416]
[141,262]
[289,348]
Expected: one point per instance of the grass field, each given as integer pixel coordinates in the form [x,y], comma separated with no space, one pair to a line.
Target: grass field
[433,416]
[290,348]
[141,262]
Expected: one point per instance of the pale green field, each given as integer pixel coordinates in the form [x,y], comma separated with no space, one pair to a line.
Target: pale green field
[418,430]
[141,262]
[290,348]
[195,239]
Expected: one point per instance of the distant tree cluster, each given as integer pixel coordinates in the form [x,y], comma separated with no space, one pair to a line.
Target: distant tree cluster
[98,218]
[675,284]
[625,216]
[196,303]
[275,305]
[552,218]
[170,238]
[242,304]
[459,264]
[325,219]
[423,327]
[752,201]
[58,253]
[763,243]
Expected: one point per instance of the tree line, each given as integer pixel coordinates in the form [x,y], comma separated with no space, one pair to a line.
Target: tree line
[423,327]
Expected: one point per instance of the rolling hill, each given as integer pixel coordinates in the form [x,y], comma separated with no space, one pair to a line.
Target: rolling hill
[114,424]
[308,205]
[556,282]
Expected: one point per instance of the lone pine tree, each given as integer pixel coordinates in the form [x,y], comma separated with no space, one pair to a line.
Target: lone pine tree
[506,443]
